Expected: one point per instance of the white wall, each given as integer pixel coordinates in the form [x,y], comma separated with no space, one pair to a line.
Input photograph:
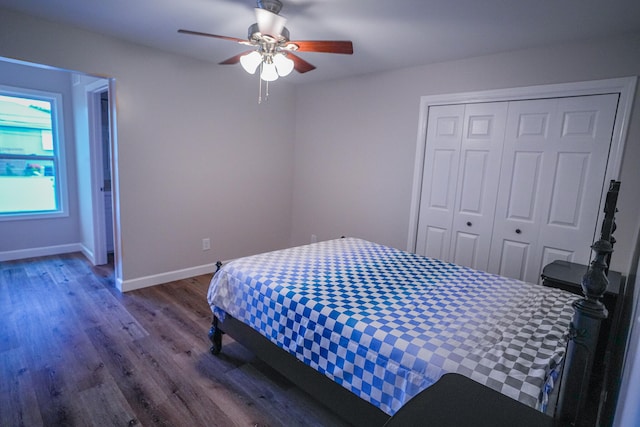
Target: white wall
[628,411]
[354,177]
[197,156]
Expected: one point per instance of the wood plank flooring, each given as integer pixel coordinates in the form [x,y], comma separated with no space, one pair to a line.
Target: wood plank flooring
[76,352]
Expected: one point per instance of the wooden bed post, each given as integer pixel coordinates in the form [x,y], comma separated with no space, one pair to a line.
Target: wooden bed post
[609,222]
[585,327]
[215,334]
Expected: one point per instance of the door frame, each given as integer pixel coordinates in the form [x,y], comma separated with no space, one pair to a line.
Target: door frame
[93,92]
[625,87]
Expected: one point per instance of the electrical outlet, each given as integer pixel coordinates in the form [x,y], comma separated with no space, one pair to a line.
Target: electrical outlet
[314,238]
[206,244]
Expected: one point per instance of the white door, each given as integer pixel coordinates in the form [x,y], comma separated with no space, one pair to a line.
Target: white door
[554,162]
[439,180]
[460,181]
[509,187]
[478,177]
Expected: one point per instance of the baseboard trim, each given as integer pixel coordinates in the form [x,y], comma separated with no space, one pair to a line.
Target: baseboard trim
[122,285]
[170,276]
[38,252]
[88,254]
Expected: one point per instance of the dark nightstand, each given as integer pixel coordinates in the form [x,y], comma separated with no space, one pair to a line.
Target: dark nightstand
[568,276]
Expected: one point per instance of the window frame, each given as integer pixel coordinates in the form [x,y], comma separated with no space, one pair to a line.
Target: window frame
[59,156]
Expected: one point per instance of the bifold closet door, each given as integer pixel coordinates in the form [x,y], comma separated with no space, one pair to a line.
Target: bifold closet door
[439,180]
[553,168]
[460,182]
[477,184]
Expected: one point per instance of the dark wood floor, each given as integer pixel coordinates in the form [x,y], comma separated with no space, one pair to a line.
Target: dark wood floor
[76,352]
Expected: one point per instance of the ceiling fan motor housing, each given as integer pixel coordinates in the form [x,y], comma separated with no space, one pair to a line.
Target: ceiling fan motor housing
[254,34]
[271,5]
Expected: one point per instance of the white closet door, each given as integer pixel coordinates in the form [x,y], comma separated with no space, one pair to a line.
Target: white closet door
[554,162]
[515,231]
[569,223]
[478,177]
[439,180]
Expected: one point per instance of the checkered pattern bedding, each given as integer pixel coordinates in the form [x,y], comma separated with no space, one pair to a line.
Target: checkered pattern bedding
[386,324]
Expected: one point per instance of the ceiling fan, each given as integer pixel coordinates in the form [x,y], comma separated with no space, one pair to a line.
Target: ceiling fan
[272,50]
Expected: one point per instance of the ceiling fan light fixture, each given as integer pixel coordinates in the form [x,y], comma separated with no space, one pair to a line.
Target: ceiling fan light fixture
[251,61]
[269,72]
[271,47]
[284,65]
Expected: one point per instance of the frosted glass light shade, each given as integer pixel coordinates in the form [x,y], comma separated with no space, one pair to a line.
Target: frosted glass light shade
[251,61]
[284,65]
[269,72]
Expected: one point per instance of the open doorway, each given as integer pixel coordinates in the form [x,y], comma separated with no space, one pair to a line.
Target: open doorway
[101,187]
[85,136]
[106,171]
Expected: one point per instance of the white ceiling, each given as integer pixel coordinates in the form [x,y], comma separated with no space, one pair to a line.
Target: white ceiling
[386,34]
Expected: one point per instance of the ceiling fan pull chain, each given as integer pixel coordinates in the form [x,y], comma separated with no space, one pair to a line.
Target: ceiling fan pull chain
[260,86]
[266,91]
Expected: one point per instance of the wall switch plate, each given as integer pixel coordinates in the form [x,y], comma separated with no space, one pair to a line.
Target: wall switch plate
[206,244]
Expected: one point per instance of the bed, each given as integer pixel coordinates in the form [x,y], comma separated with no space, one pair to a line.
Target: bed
[387,337]
[387,324]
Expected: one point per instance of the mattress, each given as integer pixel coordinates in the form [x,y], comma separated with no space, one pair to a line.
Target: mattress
[386,324]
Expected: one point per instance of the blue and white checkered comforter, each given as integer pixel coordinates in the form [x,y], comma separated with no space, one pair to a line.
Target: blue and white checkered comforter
[386,324]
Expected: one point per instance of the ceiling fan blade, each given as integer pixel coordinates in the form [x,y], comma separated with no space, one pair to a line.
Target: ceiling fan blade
[235,59]
[325,46]
[299,64]
[198,33]
[270,23]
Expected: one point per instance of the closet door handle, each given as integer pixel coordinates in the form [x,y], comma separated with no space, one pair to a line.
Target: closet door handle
[518,231]
[469,224]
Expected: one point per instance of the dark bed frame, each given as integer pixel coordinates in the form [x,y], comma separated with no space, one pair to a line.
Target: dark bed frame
[456,400]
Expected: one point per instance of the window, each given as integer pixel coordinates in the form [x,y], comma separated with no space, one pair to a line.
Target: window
[31,154]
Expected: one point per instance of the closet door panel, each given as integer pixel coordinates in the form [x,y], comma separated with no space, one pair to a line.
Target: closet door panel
[435,242]
[478,177]
[466,246]
[514,258]
[560,149]
[523,184]
[525,179]
[568,189]
[580,152]
[550,254]
[473,191]
[439,181]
